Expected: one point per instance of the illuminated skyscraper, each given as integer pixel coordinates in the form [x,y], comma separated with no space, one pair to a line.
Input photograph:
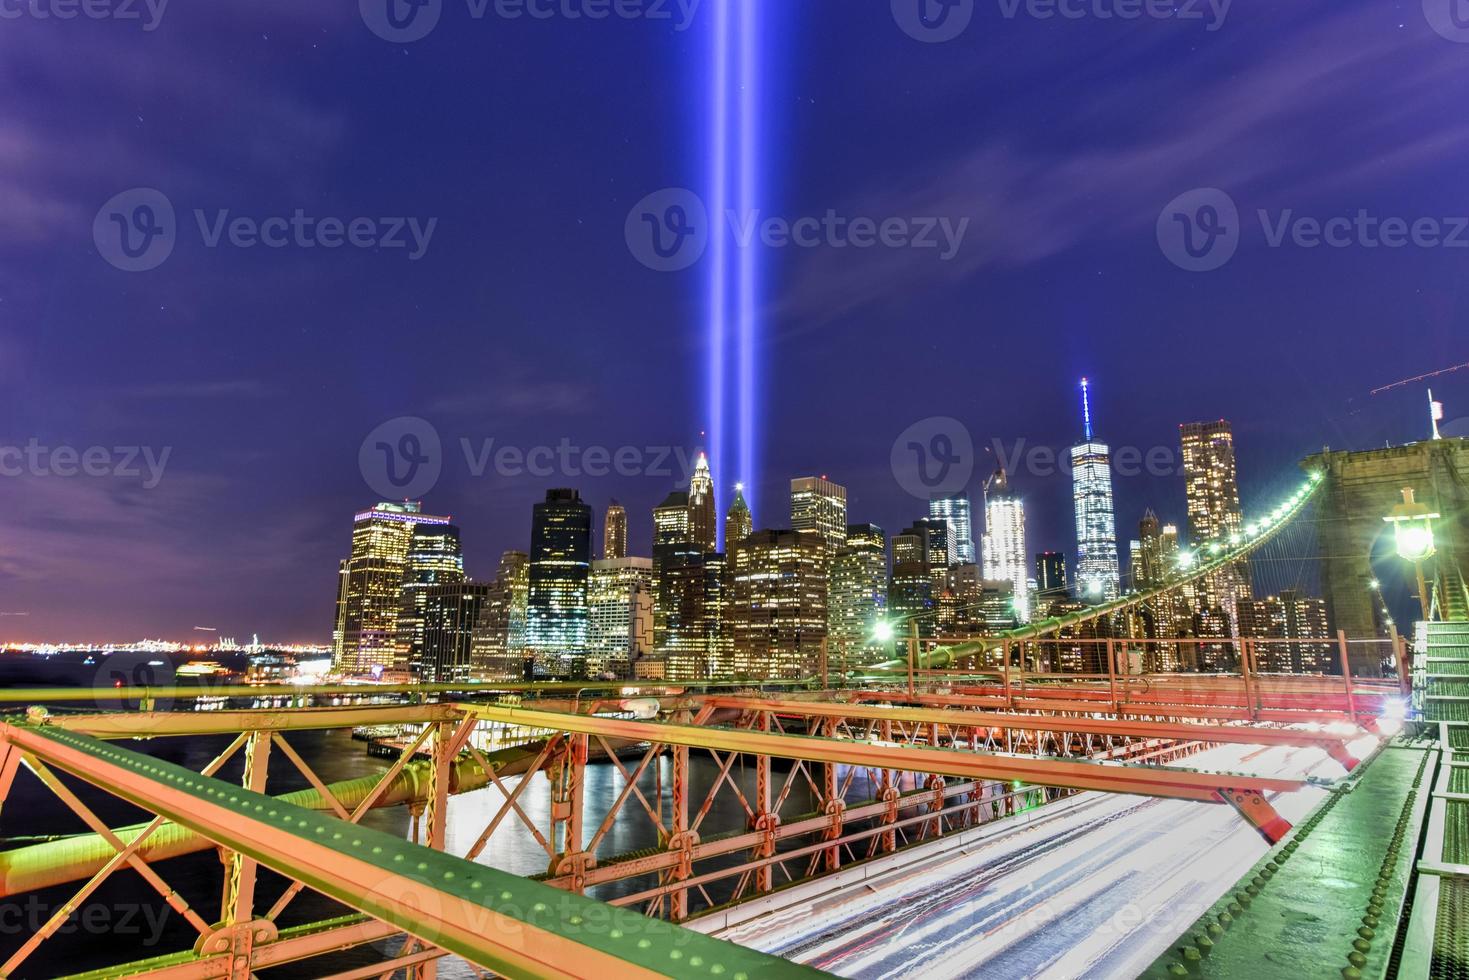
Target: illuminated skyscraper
[739,523]
[451,614]
[689,598]
[1050,575]
[1211,484]
[777,608]
[819,505]
[560,561]
[955,510]
[1290,616]
[1006,557]
[1098,573]
[620,614]
[1155,559]
[614,532]
[499,639]
[370,587]
[435,557]
[858,597]
[703,516]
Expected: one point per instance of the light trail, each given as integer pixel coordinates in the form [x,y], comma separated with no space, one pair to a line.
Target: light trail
[1097,887]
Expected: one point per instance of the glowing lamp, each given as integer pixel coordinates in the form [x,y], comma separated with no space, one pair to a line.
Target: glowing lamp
[1412,525]
[883,631]
[1186,560]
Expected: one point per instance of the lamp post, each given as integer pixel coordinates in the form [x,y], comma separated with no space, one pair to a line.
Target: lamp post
[1412,525]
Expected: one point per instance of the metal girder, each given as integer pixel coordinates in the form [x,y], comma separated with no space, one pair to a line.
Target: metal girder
[1165,783]
[496,920]
[1335,745]
[153,724]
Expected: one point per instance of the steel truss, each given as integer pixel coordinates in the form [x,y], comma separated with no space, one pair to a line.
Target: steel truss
[859,780]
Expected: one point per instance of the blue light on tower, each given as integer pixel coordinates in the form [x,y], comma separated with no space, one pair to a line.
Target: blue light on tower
[734,273]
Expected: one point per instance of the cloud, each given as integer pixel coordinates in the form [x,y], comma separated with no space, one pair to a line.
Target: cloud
[1346,76]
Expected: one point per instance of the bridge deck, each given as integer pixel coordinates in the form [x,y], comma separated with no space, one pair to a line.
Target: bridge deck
[1330,897]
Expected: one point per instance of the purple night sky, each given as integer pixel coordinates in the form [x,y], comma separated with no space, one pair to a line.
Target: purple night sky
[527,320]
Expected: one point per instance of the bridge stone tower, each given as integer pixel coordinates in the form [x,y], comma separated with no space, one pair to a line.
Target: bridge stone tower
[1361,489]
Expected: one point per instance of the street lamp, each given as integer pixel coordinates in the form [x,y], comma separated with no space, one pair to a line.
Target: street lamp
[1412,525]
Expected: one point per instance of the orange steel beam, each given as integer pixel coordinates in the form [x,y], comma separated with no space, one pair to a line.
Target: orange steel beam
[1109,777]
[510,925]
[150,724]
[1334,745]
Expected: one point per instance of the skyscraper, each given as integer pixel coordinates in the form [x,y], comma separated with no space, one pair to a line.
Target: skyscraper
[1211,485]
[689,598]
[739,523]
[819,505]
[1050,575]
[954,508]
[435,557]
[1294,617]
[703,516]
[451,614]
[1098,572]
[370,587]
[778,601]
[620,615]
[858,596]
[614,532]
[1156,559]
[499,636]
[560,561]
[1006,557]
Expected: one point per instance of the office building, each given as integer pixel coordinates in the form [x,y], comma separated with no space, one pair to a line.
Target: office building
[499,640]
[1006,556]
[370,587]
[451,615]
[1279,624]
[435,557]
[560,563]
[619,615]
[858,596]
[614,532]
[1098,573]
[777,607]
[739,523]
[703,515]
[1050,575]
[819,505]
[954,510]
[1211,485]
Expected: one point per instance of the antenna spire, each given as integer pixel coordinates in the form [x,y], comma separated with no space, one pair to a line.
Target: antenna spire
[1086,406]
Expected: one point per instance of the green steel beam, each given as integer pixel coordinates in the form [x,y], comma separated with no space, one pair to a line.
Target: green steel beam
[516,927]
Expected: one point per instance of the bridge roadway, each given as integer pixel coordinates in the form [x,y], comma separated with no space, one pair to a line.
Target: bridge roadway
[1096,886]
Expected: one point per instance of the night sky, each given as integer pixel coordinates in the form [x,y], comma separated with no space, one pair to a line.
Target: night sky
[528,320]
